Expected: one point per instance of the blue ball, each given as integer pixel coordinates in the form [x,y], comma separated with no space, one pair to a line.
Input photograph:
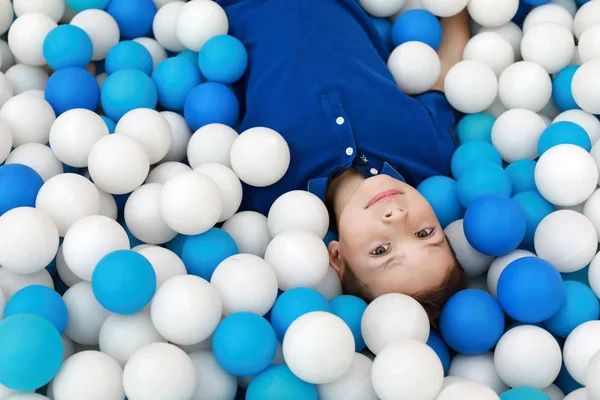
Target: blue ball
[80,5]
[475,127]
[535,208]
[351,309]
[68,46]
[70,88]
[134,17]
[440,347]
[209,103]
[128,55]
[472,153]
[189,55]
[176,244]
[279,383]
[563,132]
[31,352]
[19,186]
[524,393]
[223,59]
[442,194]
[565,381]
[127,90]
[530,290]
[383,26]
[580,305]
[561,89]
[110,124]
[124,282]
[244,344]
[294,303]
[41,301]
[174,79]
[482,179]
[417,26]
[472,322]
[522,176]
[494,225]
[203,253]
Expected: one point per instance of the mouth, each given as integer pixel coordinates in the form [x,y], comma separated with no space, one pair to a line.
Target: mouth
[388,194]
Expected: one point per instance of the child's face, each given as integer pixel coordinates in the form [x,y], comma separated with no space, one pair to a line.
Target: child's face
[394,244]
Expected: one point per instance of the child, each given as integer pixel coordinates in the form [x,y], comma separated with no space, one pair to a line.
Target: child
[317,74]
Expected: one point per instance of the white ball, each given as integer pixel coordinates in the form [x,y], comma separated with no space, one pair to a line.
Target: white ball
[26,37]
[499,264]
[528,356]
[554,392]
[478,368]
[581,345]
[594,274]
[52,8]
[491,49]
[319,347]
[330,286]
[28,240]
[26,396]
[579,394]
[591,210]
[149,128]
[90,239]
[118,164]
[6,15]
[415,66]
[592,384]
[211,143]
[382,8]
[446,8]
[299,259]
[566,175]
[587,16]
[180,136]
[165,171]
[86,315]
[550,45]
[2,304]
[467,390]
[11,283]
[166,264]
[595,153]
[63,270]
[569,5]
[186,309]
[156,51]
[391,318]
[108,205]
[512,34]
[479,283]
[229,186]
[102,29]
[584,119]
[23,77]
[549,13]
[39,157]
[355,384]
[525,85]
[6,141]
[473,262]
[6,89]
[409,367]
[143,216]
[164,26]
[199,21]
[159,371]
[89,375]
[586,86]
[493,13]
[589,44]
[212,381]
[515,134]
[29,119]
[250,232]
[298,210]
[471,86]
[74,134]
[191,203]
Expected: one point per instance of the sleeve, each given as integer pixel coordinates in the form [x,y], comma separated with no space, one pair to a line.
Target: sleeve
[442,113]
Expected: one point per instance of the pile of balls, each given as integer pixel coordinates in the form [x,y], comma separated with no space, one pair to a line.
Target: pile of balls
[127,270]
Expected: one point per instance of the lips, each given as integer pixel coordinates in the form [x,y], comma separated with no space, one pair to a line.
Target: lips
[381,196]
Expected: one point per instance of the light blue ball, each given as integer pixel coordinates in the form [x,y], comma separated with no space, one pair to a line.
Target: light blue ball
[223,59]
[134,17]
[279,383]
[383,26]
[475,127]
[524,393]
[580,305]
[530,290]
[203,253]
[68,46]
[471,153]
[561,89]
[440,347]
[209,103]
[189,55]
[244,344]
[442,194]
[174,79]
[294,303]
[128,55]
[124,282]
[535,208]
[80,5]
[417,26]
[522,176]
[41,301]
[351,309]
[19,186]
[31,352]
[110,124]
[70,88]
[563,132]
[482,179]
[126,90]
[472,322]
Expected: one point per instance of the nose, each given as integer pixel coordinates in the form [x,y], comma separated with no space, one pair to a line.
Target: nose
[393,214]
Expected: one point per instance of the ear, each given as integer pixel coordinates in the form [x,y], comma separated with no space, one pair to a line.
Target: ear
[335,259]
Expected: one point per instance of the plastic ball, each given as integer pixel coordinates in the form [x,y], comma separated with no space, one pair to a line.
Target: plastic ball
[330,286]
[561,88]
[298,210]
[166,263]
[110,124]
[445,9]
[191,56]
[172,378]
[19,187]
[475,127]
[211,379]
[26,37]
[174,79]
[12,282]
[524,393]
[86,315]
[467,390]
[211,143]
[356,383]
[143,217]
[417,26]
[28,118]
[128,55]
[165,171]
[180,135]
[549,45]
[198,22]
[134,17]
[71,88]
[351,309]
[31,352]
[41,301]
[554,392]
[67,46]
[586,17]
[440,347]
[157,52]
[521,174]
[81,5]
[592,371]
[535,208]
[482,179]
[585,85]
[101,27]
[492,13]
[512,33]
[566,175]
[479,48]
[382,8]
[584,119]
[150,129]
[472,153]
[528,356]
[441,193]
[471,86]
[552,12]
[473,262]
[415,66]
[229,185]
[223,59]
[164,26]
[587,45]
[203,253]
[126,90]
[564,132]
[580,305]
[533,96]
[478,368]
[211,102]
[6,141]
[39,157]
[591,210]
[250,231]
[53,8]
[277,381]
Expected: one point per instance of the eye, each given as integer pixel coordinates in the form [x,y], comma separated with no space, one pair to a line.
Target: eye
[425,233]
[381,250]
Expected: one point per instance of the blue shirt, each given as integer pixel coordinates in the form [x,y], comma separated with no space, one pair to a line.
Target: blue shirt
[317,74]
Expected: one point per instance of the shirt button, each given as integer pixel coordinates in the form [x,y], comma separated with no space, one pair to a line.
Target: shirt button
[374,171]
[349,151]
[339,120]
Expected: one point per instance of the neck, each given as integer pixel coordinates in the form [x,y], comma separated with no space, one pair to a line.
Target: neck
[341,189]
